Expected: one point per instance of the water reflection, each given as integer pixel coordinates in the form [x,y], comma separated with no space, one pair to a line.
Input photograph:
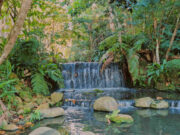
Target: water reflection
[147,122]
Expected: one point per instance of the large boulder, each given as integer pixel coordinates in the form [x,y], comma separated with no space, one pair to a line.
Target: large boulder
[43,106]
[44,131]
[56,97]
[105,104]
[143,102]
[159,104]
[8,127]
[52,112]
[52,121]
[87,133]
[121,118]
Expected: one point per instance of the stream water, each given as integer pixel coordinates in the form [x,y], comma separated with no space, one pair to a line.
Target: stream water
[81,83]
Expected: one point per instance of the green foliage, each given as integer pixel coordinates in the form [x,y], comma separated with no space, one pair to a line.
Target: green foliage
[39,84]
[35,116]
[29,55]
[157,72]
[7,85]
[98,91]
[174,65]
[53,72]
[26,54]
[89,28]
[114,114]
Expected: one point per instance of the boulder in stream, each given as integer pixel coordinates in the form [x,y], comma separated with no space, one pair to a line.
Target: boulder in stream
[44,131]
[87,133]
[8,127]
[52,112]
[143,102]
[56,97]
[107,104]
[122,118]
[159,104]
[43,106]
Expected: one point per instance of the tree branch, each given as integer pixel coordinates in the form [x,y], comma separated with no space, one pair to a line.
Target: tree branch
[16,29]
[173,37]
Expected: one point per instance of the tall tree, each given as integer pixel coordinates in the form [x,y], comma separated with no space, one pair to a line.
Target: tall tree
[26,4]
[1,3]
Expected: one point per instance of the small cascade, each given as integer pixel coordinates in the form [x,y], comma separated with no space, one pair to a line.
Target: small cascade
[126,103]
[86,98]
[87,75]
[174,104]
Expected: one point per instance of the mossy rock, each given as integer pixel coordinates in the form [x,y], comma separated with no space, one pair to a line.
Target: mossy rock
[98,91]
[63,131]
[56,97]
[143,102]
[26,96]
[162,86]
[10,127]
[106,103]
[122,118]
[159,104]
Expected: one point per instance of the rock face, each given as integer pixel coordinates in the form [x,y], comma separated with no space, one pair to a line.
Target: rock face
[10,127]
[159,104]
[56,97]
[122,118]
[52,112]
[143,102]
[52,121]
[87,133]
[105,104]
[44,131]
[43,106]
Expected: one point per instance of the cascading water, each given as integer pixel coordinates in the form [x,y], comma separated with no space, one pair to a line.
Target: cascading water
[82,79]
[87,75]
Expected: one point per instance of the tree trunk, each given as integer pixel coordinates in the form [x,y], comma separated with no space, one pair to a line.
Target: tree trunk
[157,51]
[111,18]
[157,42]
[172,38]
[1,3]
[16,29]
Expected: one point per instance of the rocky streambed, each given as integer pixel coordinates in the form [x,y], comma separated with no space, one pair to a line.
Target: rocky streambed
[90,113]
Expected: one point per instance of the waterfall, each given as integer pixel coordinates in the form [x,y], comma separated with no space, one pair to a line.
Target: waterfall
[82,78]
[86,75]
[174,104]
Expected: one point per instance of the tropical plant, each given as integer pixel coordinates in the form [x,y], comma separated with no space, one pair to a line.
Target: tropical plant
[30,59]
[7,85]
[114,114]
[35,116]
[157,72]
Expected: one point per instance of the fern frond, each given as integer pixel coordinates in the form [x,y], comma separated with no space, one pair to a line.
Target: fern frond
[39,84]
[53,72]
